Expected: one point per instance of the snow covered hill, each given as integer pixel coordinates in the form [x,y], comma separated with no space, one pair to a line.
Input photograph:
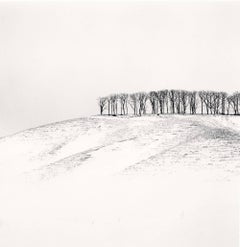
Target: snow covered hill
[125,145]
[122,181]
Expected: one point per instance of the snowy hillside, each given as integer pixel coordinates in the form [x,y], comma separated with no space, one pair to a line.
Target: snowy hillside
[125,145]
[136,181]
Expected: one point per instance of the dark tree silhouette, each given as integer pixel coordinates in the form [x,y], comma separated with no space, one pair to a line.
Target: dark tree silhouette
[134,103]
[162,100]
[153,101]
[114,104]
[192,97]
[123,102]
[172,101]
[142,99]
[102,102]
[172,98]
[184,101]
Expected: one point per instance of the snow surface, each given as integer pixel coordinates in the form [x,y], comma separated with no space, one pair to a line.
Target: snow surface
[167,181]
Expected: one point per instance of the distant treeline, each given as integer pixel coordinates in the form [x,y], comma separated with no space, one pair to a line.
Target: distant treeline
[170,102]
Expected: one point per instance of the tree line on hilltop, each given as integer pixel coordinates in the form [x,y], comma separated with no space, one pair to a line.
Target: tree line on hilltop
[170,102]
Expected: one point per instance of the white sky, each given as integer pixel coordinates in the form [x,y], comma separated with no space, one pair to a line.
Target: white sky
[57,58]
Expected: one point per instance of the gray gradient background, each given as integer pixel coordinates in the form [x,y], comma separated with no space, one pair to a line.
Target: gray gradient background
[57,58]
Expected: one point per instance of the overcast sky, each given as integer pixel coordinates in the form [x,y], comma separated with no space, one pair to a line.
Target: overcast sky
[57,58]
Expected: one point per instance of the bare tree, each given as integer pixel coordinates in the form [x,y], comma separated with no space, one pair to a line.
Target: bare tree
[142,99]
[223,102]
[153,101]
[134,103]
[232,104]
[102,102]
[166,99]
[233,101]
[216,102]
[123,103]
[206,97]
[228,104]
[202,95]
[192,97]
[184,100]
[114,104]
[172,98]
[208,101]
[109,105]
[162,97]
[178,101]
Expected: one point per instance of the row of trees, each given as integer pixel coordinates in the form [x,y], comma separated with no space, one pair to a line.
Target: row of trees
[170,102]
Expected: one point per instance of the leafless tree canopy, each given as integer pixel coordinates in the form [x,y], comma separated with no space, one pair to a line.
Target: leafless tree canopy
[170,102]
